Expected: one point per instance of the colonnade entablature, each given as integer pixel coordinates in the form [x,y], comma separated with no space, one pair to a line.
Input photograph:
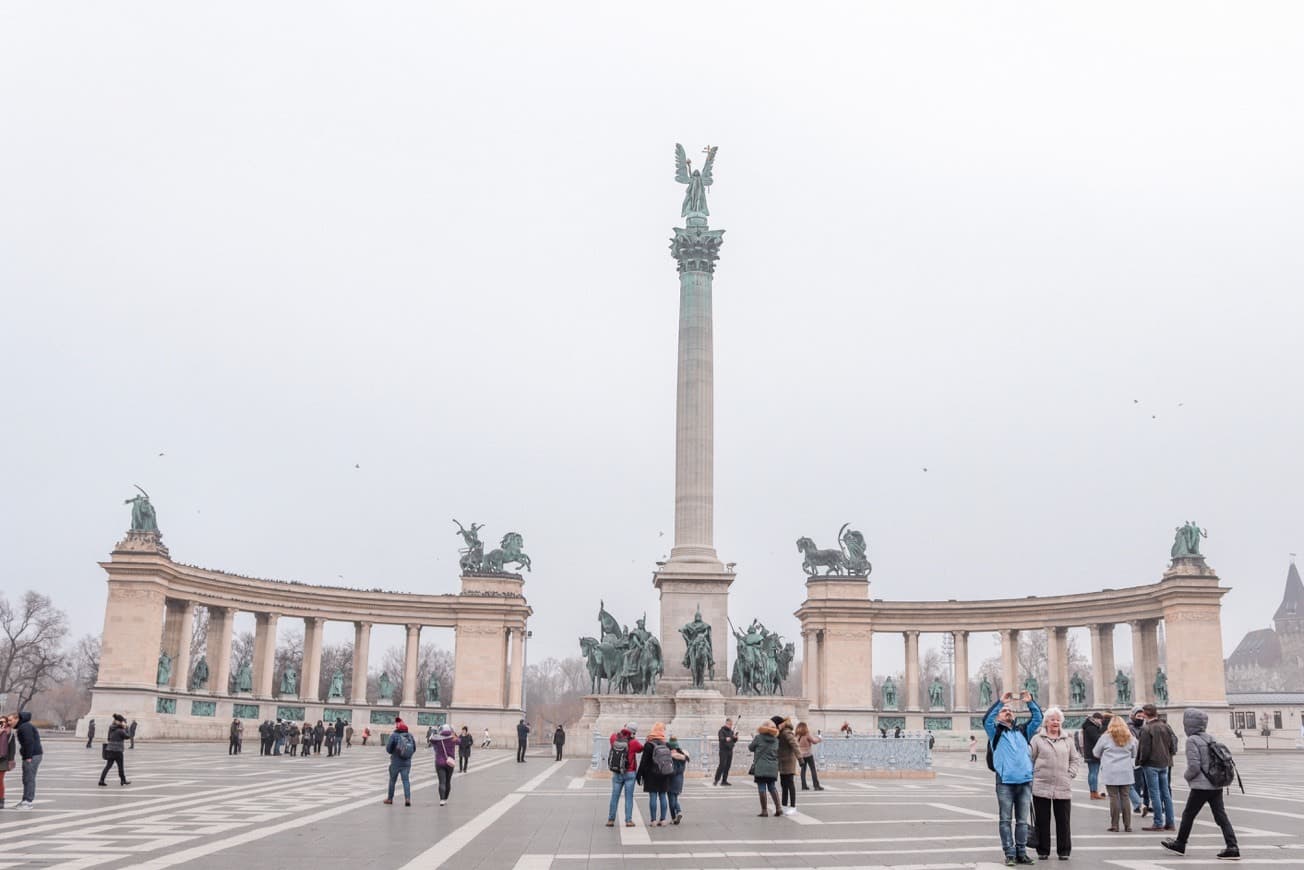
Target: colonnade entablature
[146,647]
[839,621]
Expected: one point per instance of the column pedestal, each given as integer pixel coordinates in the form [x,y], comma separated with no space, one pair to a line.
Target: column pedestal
[682,593]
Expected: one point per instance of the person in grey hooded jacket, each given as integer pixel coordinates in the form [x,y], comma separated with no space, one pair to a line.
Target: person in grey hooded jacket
[1194,722]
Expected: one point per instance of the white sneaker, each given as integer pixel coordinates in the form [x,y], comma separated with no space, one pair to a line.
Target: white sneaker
[441,803]
[23,805]
[788,811]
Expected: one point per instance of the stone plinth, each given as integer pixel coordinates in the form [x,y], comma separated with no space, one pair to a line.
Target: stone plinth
[837,641]
[685,588]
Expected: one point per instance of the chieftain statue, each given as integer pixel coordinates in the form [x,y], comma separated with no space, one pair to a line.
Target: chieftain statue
[1161,686]
[1123,688]
[935,690]
[1031,686]
[1077,690]
[432,691]
[164,668]
[199,678]
[337,685]
[763,660]
[244,678]
[849,559]
[985,692]
[289,682]
[699,657]
[889,694]
[143,518]
[1186,541]
[474,560]
[386,687]
[629,660]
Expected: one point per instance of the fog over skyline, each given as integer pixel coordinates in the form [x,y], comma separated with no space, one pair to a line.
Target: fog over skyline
[321,278]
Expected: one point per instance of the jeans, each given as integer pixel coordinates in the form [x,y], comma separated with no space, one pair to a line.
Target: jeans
[622,781]
[1161,795]
[115,757]
[654,799]
[445,780]
[1140,797]
[520,751]
[808,761]
[462,758]
[788,789]
[29,777]
[276,747]
[674,805]
[1194,803]
[558,751]
[395,771]
[1093,776]
[1014,799]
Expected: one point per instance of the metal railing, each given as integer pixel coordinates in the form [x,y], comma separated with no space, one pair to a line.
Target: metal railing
[910,751]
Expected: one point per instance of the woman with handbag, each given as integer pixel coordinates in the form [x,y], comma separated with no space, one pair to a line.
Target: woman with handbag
[445,746]
[112,753]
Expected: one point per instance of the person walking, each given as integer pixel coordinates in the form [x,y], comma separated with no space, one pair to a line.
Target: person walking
[1116,750]
[675,787]
[1205,758]
[445,745]
[522,737]
[654,771]
[622,761]
[8,749]
[727,737]
[30,752]
[1092,727]
[1009,758]
[559,740]
[765,765]
[118,735]
[348,734]
[806,740]
[973,749]
[400,747]
[90,733]
[1155,750]
[131,733]
[789,755]
[484,743]
[339,736]
[464,742]
[1055,764]
[233,738]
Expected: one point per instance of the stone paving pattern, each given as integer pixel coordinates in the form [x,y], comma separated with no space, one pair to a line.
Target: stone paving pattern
[191,805]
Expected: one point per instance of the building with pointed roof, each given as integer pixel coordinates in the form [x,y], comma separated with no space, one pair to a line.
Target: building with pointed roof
[1272,659]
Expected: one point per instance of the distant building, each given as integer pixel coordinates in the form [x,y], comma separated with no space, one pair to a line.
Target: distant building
[1272,659]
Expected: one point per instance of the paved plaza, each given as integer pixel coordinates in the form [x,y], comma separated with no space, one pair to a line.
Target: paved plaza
[192,805]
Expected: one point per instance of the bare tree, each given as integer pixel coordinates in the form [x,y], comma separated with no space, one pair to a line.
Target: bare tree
[242,653]
[32,634]
[199,634]
[86,660]
[64,704]
[430,658]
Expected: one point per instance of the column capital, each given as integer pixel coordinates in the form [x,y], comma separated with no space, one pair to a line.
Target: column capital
[362,624]
[911,632]
[413,627]
[696,248]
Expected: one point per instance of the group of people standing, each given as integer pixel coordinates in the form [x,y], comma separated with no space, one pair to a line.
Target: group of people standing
[20,743]
[285,738]
[1036,760]
[658,765]
[778,749]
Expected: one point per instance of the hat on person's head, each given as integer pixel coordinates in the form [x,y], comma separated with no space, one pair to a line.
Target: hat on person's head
[1150,710]
[446,730]
[631,727]
[1137,709]
[399,724]
[777,720]
[673,742]
[658,732]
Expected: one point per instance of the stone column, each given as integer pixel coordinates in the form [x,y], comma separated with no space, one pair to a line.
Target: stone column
[809,667]
[361,650]
[1102,665]
[133,633]
[181,664]
[265,654]
[310,679]
[516,683]
[410,653]
[912,671]
[1057,670]
[221,627]
[961,675]
[1010,661]
[1141,690]
[1150,646]
[821,668]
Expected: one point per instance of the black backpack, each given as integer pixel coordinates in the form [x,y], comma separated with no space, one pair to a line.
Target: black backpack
[1221,771]
[618,757]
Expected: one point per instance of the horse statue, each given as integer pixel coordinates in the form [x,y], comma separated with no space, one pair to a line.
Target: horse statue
[603,661]
[784,659]
[509,551]
[648,668]
[835,561]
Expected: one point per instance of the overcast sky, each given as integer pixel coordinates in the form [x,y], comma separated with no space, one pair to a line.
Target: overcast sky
[321,277]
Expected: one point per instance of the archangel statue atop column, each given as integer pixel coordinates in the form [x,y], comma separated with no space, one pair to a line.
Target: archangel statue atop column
[697,180]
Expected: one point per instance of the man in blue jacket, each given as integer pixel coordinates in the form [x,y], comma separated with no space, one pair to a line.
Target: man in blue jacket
[1008,757]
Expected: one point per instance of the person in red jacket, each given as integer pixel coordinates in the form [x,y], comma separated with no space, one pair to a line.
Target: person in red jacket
[623,762]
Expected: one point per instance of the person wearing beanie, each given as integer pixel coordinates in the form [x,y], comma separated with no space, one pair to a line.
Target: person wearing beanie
[624,771]
[401,747]
[676,785]
[654,772]
[118,736]
[789,756]
[765,765]
[445,746]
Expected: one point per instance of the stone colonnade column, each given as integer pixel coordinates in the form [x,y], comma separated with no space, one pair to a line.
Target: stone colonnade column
[410,652]
[961,676]
[1140,685]
[1057,670]
[809,667]
[1193,631]
[221,627]
[1102,664]
[912,671]
[310,679]
[186,631]
[361,650]
[265,653]
[516,682]
[1010,661]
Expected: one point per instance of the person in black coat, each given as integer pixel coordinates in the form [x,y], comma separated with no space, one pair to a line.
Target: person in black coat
[464,742]
[339,736]
[728,737]
[522,735]
[90,734]
[559,740]
[318,735]
[131,733]
[118,735]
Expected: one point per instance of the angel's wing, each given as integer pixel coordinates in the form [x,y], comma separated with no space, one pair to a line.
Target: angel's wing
[681,165]
[706,167]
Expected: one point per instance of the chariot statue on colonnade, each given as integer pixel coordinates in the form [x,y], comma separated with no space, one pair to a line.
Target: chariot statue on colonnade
[848,560]
[474,560]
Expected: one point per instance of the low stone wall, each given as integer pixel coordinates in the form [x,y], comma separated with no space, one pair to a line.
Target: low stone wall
[905,757]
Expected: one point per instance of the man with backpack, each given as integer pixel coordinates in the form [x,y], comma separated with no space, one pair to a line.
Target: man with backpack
[1008,757]
[401,746]
[1209,770]
[622,761]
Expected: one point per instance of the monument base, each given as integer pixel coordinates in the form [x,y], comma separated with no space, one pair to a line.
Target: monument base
[687,588]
